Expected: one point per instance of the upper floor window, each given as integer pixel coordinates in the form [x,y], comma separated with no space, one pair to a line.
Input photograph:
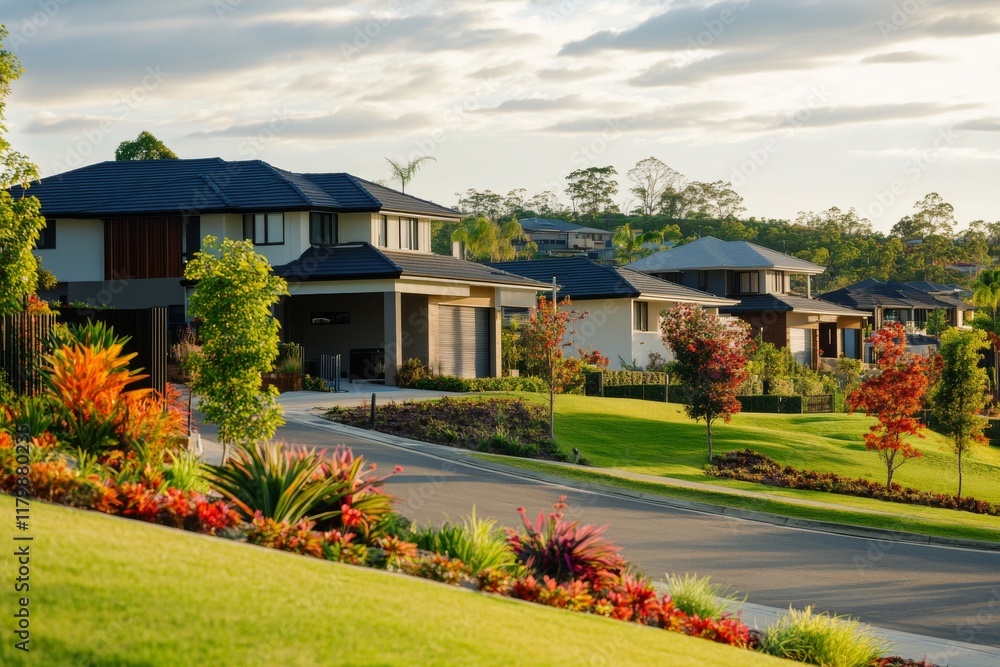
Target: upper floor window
[382,239]
[47,237]
[778,282]
[322,228]
[409,235]
[672,276]
[264,228]
[640,316]
[746,282]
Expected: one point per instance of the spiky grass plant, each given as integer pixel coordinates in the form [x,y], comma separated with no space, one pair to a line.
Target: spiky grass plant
[699,596]
[476,542]
[821,639]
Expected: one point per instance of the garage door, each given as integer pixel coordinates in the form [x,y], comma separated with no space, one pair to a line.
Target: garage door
[463,343]
[800,343]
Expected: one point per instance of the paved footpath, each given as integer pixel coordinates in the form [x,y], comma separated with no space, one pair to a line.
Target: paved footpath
[931,601]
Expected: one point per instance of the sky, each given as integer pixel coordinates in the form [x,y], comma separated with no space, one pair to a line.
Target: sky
[800,104]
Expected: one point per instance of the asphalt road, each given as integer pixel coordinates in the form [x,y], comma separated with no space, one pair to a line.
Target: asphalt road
[948,593]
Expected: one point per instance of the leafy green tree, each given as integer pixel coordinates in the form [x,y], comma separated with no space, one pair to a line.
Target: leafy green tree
[986,295]
[143,147]
[937,322]
[628,242]
[592,190]
[960,392]
[232,302]
[933,216]
[482,204]
[486,240]
[405,172]
[20,221]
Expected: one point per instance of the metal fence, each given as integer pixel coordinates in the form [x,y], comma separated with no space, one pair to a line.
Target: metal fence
[23,343]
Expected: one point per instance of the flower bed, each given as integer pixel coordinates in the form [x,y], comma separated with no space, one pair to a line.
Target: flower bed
[496,425]
[751,466]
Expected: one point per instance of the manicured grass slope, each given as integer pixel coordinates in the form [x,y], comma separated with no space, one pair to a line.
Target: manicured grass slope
[659,439]
[109,591]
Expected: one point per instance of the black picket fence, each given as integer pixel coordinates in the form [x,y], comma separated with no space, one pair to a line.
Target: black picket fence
[22,343]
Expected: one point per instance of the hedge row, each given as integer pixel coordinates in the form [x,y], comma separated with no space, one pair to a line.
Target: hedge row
[772,404]
[628,378]
[452,383]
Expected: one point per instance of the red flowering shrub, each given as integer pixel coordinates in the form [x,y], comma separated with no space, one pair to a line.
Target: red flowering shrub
[565,550]
[751,466]
[299,538]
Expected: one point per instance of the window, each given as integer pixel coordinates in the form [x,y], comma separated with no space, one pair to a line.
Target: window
[672,276]
[330,318]
[47,237]
[746,282]
[778,282]
[640,310]
[383,232]
[264,228]
[409,234]
[322,228]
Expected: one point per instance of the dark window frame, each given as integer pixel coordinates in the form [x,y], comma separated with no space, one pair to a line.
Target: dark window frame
[382,234]
[414,233]
[250,228]
[640,316]
[47,236]
[328,226]
[753,280]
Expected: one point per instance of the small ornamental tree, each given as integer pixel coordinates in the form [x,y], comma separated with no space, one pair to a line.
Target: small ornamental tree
[20,220]
[710,360]
[893,395]
[543,349]
[232,302]
[960,392]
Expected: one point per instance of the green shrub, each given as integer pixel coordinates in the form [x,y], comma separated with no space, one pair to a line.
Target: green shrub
[184,472]
[412,371]
[694,595]
[309,383]
[476,542]
[291,487]
[623,378]
[464,385]
[819,639]
[7,395]
[508,446]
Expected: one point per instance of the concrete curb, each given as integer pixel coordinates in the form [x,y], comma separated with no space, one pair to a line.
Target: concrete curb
[467,458]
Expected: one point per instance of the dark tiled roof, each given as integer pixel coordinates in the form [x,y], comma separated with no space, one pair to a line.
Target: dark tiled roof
[709,253]
[580,278]
[353,261]
[783,303]
[554,225]
[212,185]
[870,293]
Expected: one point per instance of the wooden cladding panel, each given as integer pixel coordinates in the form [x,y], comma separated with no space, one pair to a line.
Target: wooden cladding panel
[144,247]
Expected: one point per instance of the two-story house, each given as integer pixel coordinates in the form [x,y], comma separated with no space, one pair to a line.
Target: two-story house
[620,309]
[760,278]
[561,237]
[363,281]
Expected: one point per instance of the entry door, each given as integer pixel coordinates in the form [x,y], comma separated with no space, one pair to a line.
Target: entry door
[463,343]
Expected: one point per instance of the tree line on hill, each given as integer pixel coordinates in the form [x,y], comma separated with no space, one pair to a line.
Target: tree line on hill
[664,206]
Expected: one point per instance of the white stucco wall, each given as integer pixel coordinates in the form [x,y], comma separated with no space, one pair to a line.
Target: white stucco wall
[79,252]
[355,227]
[607,327]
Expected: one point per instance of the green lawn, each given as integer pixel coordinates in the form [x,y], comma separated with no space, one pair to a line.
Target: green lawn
[109,591]
[658,439]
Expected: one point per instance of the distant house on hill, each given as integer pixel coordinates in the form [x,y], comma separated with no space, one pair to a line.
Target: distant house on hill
[560,237]
[908,303]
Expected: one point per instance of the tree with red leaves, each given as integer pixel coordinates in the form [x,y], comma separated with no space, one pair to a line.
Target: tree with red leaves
[710,360]
[543,349]
[894,395]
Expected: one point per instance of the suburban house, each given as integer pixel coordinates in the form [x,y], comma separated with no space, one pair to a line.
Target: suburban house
[622,306]
[908,303]
[560,237]
[760,279]
[363,281]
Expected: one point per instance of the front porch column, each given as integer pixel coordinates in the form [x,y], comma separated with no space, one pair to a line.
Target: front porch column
[496,363]
[392,333]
